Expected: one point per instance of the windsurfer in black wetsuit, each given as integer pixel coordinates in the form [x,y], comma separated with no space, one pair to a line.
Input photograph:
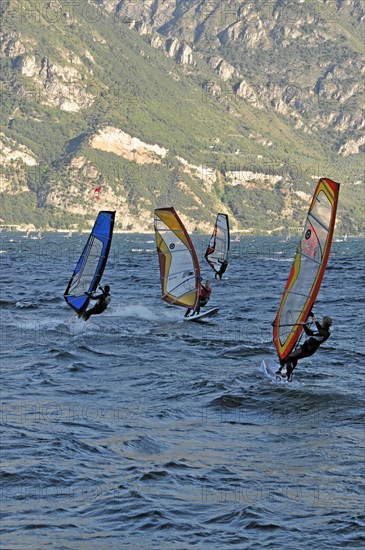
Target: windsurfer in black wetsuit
[103,300]
[309,347]
[222,269]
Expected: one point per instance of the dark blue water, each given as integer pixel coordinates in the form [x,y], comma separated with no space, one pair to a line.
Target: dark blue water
[136,430]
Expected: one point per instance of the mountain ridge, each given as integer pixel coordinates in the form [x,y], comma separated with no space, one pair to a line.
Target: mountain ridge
[156,78]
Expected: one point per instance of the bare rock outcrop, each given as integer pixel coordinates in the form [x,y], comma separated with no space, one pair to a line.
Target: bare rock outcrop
[114,140]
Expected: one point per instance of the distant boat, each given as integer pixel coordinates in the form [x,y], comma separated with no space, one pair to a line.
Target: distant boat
[237,239]
[37,237]
[69,235]
[342,239]
[288,237]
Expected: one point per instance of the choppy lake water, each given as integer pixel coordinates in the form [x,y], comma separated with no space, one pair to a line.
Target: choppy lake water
[136,430]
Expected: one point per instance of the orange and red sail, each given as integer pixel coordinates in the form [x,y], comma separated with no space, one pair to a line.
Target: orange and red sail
[308,268]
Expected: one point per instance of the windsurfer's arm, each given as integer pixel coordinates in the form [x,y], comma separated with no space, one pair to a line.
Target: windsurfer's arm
[90,294]
[308,331]
[95,297]
[314,319]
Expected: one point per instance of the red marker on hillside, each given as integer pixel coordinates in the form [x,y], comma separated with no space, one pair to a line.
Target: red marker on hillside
[97,192]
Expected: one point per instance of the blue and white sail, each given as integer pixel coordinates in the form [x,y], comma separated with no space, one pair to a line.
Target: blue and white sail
[90,267]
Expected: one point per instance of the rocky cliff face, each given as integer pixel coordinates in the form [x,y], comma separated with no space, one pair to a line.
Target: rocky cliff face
[78,198]
[58,85]
[131,148]
[299,59]
[14,158]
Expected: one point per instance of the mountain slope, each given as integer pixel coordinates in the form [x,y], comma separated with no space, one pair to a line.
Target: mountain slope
[178,103]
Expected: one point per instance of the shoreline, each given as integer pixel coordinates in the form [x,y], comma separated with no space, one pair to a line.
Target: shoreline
[240,233]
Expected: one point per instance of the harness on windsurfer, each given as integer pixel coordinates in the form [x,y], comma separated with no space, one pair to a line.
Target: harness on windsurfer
[205,292]
[310,345]
[103,300]
[223,268]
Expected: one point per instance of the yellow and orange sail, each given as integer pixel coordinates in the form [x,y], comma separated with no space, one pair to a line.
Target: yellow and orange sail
[179,265]
[308,268]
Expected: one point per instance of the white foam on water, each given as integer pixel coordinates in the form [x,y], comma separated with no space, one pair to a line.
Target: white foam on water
[143,312]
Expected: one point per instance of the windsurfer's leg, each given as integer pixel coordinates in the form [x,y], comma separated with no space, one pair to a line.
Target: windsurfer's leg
[96,310]
[282,365]
[289,361]
[187,312]
[289,369]
[297,354]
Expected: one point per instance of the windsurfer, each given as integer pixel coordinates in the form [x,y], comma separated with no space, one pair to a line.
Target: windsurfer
[103,300]
[309,347]
[222,269]
[205,292]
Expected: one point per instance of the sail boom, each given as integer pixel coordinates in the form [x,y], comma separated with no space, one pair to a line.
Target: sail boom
[310,259]
[319,222]
[297,293]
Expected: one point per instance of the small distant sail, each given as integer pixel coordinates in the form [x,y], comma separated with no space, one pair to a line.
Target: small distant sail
[179,266]
[308,269]
[90,267]
[97,192]
[217,251]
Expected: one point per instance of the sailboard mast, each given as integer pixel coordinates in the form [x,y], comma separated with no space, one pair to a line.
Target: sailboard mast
[308,269]
[217,251]
[179,265]
[90,267]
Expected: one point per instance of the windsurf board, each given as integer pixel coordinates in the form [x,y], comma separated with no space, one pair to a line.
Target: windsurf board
[202,315]
[269,367]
